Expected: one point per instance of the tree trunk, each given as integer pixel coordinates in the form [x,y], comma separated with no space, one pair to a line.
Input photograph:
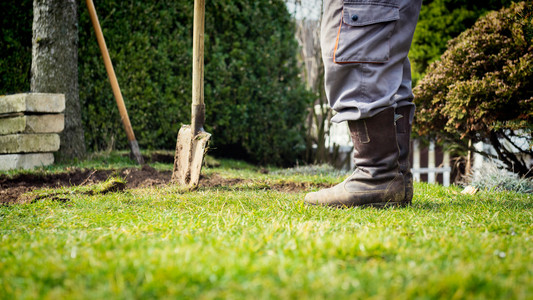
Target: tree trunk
[54,67]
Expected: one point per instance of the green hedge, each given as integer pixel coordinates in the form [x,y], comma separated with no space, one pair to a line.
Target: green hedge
[256,103]
[15,46]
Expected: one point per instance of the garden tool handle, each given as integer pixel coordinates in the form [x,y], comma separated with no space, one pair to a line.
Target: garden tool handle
[198,106]
[114,83]
[110,72]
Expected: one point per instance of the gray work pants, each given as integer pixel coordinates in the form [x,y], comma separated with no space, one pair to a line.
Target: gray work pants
[364,48]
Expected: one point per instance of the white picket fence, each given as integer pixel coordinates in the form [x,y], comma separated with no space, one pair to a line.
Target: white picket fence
[431,169]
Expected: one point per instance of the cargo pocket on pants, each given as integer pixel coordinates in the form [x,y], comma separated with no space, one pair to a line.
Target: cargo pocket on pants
[364,32]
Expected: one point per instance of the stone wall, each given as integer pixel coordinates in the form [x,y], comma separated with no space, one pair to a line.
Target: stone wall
[29,129]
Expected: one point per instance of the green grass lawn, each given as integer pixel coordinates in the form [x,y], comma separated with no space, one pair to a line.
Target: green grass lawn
[247,241]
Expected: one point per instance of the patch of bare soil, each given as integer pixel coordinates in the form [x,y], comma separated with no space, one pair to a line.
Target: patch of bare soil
[217,181]
[294,187]
[11,188]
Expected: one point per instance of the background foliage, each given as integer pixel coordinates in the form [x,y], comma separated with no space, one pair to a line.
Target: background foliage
[480,90]
[440,21]
[256,102]
[15,46]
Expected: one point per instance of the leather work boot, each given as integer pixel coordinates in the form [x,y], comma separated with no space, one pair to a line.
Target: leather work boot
[377,180]
[403,134]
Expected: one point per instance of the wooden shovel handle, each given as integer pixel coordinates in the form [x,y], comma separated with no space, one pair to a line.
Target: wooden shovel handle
[198,107]
[110,72]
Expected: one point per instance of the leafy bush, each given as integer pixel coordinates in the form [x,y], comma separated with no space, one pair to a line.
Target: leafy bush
[480,90]
[15,46]
[255,101]
[439,22]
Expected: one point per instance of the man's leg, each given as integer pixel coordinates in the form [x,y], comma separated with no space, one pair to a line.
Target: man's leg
[404,115]
[365,46]
[377,179]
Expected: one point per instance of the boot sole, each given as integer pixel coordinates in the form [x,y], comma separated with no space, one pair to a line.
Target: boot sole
[381,205]
[387,204]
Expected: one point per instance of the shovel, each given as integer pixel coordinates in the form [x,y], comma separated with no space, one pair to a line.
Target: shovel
[192,139]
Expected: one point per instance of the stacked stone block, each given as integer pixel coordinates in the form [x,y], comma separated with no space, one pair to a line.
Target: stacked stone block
[29,129]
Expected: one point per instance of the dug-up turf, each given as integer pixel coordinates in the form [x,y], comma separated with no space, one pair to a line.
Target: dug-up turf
[12,188]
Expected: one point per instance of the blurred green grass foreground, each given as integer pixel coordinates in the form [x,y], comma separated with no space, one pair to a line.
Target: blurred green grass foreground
[249,238]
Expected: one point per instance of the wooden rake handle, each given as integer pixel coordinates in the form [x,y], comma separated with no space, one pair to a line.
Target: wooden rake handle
[114,83]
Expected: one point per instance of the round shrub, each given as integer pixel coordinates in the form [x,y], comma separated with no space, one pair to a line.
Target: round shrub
[480,90]
[439,22]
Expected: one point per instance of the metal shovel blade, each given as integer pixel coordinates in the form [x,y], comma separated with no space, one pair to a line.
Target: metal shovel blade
[188,160]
